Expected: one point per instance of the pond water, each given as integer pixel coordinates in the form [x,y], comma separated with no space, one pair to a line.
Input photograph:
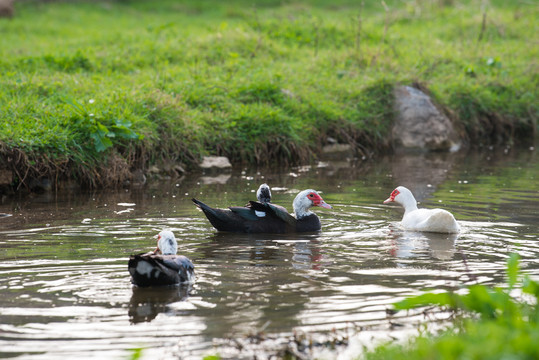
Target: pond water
[66,293]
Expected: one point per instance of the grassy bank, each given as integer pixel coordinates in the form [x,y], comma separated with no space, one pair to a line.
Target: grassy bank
[93,90]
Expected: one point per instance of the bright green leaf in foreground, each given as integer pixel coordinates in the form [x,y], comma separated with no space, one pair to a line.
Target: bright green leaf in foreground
[508,328]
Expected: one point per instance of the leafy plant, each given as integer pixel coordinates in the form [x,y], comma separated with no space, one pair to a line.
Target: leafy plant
[506,328]
[103,131]
[212,357]
[300,72]
[490,303]
[135,354]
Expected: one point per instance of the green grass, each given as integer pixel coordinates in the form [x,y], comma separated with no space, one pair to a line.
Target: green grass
[501,327]
[86,85]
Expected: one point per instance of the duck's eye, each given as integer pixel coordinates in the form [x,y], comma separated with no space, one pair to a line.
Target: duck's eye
[311,195]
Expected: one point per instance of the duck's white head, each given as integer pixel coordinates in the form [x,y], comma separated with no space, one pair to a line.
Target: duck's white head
[166,243]
[404,197]
[304,200]
[263,194]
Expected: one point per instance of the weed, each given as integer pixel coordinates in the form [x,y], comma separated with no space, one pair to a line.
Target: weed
[102,128]
[505,328]
[175,80]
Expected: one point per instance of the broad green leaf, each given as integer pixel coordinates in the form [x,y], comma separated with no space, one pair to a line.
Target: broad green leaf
[101,143]
[530,287]
[136,354]
[441,299]
[479,299]
[123,129]
[125,123]
[512,270]
[101,129]
[124,132]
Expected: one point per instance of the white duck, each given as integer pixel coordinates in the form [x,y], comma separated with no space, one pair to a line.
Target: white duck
[430,220]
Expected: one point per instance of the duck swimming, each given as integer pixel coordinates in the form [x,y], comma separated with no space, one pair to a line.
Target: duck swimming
[265,217]
[429,220]
[162,266]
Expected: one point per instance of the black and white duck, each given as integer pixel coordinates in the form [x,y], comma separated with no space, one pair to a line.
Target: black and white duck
[162,266]
[265,217]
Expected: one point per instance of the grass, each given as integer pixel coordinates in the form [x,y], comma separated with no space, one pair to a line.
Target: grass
[493,324]
[94,89]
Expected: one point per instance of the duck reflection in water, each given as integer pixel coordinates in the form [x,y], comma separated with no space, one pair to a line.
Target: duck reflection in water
[406,244]
[303,250]
[147,303]
[307,255]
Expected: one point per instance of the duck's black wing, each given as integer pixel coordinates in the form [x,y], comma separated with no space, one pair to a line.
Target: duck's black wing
[275,211]
[246,212]
[182,265]
[253,218]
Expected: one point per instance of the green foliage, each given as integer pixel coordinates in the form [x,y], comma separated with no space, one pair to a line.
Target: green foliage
[103,129]
[136,354]
[507,328]
[68,63]
[212,357]
[181,79]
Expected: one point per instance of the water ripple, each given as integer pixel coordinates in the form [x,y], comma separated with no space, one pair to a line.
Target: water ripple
[66,290]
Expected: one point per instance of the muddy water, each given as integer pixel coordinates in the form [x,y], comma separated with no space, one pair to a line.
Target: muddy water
[65,289]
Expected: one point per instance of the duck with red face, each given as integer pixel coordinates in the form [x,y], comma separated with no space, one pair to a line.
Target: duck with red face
[428,220]
[260,217]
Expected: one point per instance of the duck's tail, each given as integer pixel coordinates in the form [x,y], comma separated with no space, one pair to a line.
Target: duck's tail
[205,208]
[443,222]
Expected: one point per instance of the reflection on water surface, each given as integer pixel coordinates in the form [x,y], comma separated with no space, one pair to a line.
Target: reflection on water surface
[66,291]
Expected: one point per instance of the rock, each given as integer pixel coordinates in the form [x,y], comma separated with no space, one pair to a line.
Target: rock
[154,170]
[172,168]
[219,179]
[6,8]
[337,152]
[331,140]
[220,162]
[179,169]
[419,124]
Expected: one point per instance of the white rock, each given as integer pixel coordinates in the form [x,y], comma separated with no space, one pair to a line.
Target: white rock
[220,162]
[6,8]
[419,124]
